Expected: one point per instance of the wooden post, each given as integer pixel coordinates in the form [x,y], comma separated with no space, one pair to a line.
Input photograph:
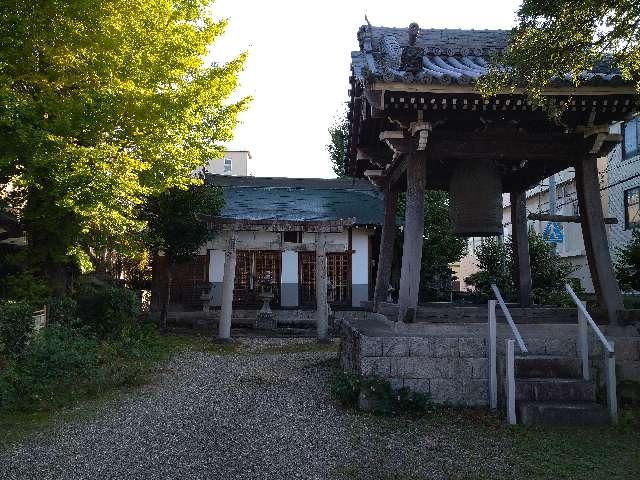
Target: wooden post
[228,279]
[583,343]
[413,233]
[511,383]
[610,374]
[595,238]
[385,257]
[493,368]
[520,241]
[322,320]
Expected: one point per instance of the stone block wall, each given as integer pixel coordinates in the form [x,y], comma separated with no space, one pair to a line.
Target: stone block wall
[452,370]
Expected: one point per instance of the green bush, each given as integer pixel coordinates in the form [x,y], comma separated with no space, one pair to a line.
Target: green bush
[16,326]
[64,363]
[108,310]
[62,310]
[345,388]
[24,287]
[58,359]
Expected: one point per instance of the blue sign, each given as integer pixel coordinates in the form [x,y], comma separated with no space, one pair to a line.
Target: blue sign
[553,233]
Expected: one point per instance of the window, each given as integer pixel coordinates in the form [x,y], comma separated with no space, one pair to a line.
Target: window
[631,131]
[632,208]
[227,165]
[292,237]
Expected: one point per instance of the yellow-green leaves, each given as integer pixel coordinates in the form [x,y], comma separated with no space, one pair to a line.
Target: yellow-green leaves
[102,103]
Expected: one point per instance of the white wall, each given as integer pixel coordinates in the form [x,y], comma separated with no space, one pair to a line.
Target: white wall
[359,268]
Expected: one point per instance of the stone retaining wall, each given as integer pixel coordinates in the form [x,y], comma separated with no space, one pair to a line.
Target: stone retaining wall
[453,367]
[453,370]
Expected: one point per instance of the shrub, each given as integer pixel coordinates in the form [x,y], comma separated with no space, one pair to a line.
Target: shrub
[24,287]
[345,388]
[377,394]
[108,310]
[16,326]
[62,310]
[58,359]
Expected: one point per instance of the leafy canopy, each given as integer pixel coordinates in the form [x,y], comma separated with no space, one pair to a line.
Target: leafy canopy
[106,102]
[339,136]
[627,264]
[549,272]
[559,37]
[177,220]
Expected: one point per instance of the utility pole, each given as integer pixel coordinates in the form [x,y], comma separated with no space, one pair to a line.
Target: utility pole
[552,200]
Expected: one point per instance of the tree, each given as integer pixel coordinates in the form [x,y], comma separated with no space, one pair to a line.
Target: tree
[560,37]
[549,272]
[106,102]
[337,146]
[627,264]
[177,226]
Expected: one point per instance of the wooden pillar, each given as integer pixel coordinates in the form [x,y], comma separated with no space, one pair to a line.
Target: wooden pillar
[322,310]
[520,241]
[413,233]
[595,238]
[228,279]
[385,257]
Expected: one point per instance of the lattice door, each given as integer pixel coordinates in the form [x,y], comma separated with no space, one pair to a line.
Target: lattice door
[307,278]
[338,272]
[251,265]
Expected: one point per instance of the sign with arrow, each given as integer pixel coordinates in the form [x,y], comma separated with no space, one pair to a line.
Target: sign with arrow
[553,233]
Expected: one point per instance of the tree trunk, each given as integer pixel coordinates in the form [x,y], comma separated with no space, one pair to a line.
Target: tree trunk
[167,298]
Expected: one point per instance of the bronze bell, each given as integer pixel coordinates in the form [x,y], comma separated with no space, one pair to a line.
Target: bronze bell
[475,205]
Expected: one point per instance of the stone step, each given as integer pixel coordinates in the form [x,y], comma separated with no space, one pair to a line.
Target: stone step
[547,366]
[555,414]
[554,390]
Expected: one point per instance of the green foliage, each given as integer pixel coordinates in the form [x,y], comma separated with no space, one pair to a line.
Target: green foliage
[549,272]
[63,363]
[16,327]
[107,311]
[106,102]
[337,146]
[24,287]
[567,37]
[495,265]
[177,220]
[345,388]
[440,246]
[627,264]
[63,310]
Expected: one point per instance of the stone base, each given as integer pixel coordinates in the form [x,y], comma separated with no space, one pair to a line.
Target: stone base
[266,321]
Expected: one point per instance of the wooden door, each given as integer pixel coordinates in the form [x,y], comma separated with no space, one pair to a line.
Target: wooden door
[338,273]
[251,266]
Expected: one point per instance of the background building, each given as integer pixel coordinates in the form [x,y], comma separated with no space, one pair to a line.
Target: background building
[620,196]
[234,162]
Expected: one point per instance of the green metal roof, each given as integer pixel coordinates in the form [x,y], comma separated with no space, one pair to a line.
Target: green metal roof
[300,199]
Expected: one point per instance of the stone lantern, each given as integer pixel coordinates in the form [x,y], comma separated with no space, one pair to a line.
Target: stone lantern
[265,318]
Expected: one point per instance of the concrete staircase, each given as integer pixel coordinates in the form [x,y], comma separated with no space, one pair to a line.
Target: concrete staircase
[550,391]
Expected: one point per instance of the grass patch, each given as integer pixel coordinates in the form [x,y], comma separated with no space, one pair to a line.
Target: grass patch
[65,376]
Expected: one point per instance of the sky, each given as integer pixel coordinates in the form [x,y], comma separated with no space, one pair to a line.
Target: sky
[298,67]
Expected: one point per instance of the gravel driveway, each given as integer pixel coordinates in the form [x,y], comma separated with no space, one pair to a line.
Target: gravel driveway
[251,415]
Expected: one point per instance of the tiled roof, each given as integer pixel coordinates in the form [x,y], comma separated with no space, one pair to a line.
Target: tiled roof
[450,57]
[300,199]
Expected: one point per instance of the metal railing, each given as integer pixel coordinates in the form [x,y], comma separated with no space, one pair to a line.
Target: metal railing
[608,346]
[510,384]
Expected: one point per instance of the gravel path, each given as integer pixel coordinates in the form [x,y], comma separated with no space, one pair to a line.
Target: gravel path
[252,415]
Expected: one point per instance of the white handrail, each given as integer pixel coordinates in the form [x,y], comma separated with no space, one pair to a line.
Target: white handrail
[507,314]
[609,359]
[590,321]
